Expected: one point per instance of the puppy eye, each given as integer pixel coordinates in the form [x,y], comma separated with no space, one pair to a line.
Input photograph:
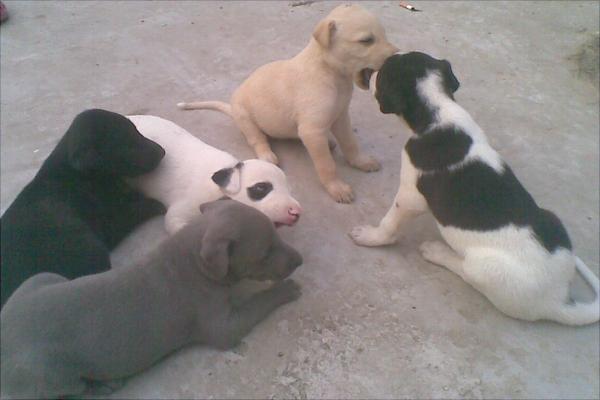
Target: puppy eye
[369,40]
[259,190]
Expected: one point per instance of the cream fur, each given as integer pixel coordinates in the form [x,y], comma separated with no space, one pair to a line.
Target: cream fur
[309,95]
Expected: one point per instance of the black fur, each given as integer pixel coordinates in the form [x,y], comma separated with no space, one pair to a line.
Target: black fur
[472,196]
[259,190]
[77,207]
[475,197]
[223,176]
[397,87]
[438,149]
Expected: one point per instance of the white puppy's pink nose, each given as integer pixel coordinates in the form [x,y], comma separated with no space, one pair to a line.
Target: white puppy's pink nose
[295,212]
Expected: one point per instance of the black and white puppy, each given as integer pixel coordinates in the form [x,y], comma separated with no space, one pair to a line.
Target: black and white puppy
[77,207]
[514,252]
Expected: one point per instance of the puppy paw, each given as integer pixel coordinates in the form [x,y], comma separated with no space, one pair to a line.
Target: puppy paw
[365,163]
[331,144]
[269,156]
[340,191]
[287,291]
[436,252]
[370,236]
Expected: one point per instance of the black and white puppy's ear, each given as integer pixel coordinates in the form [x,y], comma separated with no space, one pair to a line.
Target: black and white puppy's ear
[228,179]
[324,32]
[390,94]
[450,81]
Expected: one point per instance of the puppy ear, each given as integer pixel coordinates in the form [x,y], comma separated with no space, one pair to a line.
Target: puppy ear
[81,154]
[392,104]
[204,207]
[324,32]
[214,253]
[228,179]
[452,84]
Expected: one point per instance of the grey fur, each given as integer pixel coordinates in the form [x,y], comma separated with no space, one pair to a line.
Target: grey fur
[62,337]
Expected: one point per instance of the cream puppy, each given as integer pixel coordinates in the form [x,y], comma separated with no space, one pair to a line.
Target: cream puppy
[308,95]
[193,173]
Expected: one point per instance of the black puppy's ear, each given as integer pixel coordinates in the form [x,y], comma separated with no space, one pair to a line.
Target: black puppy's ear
[450,80]
[81,154]
[215,252]
[228,179]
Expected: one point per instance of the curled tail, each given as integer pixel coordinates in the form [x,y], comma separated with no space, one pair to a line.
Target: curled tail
[207,105]
[580,313]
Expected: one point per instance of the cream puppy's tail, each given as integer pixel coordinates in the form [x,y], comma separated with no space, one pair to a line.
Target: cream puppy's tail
[207,105]
[580,313]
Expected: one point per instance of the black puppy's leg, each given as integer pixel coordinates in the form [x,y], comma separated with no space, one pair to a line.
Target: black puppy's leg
[242,319]
[133,211]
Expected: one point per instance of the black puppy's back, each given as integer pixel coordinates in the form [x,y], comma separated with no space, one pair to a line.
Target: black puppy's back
[77,207]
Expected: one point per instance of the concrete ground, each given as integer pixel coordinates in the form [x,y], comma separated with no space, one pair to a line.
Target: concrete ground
[377,323]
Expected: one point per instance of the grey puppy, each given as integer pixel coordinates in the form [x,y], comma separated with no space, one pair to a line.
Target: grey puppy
[62,337]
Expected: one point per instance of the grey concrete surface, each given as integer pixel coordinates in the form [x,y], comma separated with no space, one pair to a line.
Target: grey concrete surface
[372,323]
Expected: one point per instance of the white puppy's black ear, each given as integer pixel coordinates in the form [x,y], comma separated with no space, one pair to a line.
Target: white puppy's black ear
[450,80]
[228,179]
[324,32]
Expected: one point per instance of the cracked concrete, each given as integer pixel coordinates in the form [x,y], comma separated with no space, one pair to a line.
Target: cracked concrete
[378,323]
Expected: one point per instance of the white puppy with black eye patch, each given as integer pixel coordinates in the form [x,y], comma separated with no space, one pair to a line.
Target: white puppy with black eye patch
[517,254]
[193,173]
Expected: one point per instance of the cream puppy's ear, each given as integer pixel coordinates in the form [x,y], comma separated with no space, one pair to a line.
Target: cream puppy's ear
[228,179]
[324,32]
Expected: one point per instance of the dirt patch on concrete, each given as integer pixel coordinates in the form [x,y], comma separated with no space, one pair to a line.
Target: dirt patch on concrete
[587,58]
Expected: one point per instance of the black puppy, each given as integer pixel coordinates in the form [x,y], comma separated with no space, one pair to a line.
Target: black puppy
[77,207]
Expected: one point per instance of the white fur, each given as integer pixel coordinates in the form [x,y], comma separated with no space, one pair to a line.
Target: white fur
[182,181]
[508,265]
[450,113]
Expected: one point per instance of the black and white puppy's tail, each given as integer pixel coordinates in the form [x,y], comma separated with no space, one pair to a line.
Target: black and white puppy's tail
[223,107]
[580,313]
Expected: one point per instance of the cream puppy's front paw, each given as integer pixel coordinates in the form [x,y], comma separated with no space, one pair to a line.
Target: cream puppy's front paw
[368,235]
[268,156]
[365,163]
[340,191]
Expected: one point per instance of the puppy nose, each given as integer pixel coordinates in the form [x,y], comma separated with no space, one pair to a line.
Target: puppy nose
[295,212]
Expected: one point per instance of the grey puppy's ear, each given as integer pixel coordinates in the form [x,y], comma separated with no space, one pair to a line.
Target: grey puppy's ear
[449,79]
[215,254]
[324,32]
[204,207]
[228,179]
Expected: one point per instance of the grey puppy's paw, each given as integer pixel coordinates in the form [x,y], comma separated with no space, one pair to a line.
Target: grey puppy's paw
[286,291]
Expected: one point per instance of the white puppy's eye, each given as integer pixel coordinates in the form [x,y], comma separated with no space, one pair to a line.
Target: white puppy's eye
[367,41]
[259,190]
